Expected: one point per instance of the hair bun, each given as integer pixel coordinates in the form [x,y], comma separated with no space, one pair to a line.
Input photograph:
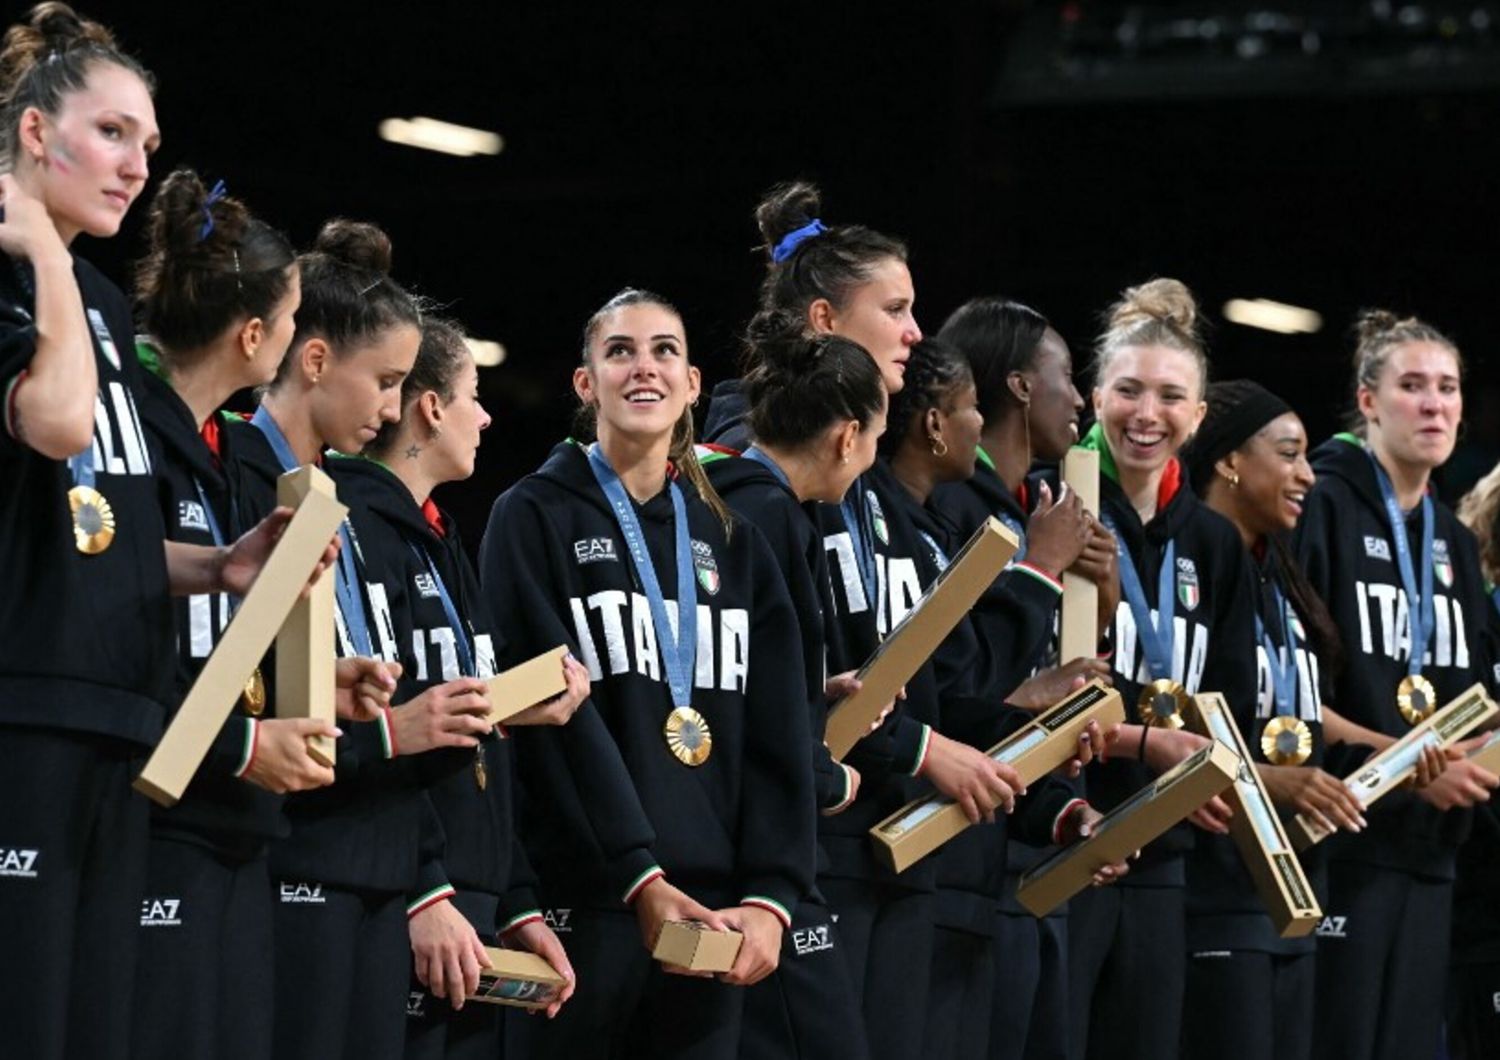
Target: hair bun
[778,340]
[1373,324]
[355,243]
[1164,301]
[786,208]
[60,27]
[176,220]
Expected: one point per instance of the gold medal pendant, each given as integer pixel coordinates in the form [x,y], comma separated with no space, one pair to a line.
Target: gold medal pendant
[481,771]
[688,736]
[93,520]
[254,696]
[1286,741]
[1416,699]
[1162,703]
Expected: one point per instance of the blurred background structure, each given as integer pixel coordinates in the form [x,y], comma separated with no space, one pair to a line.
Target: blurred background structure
[1324,156]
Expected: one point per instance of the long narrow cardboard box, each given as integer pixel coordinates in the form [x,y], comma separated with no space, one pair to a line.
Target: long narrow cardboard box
[305,651]
[526,684]
[1129,826]
[1256,828]
[1391,767]
[1040,746]
[918,635]
[251,631]
[1487,754]
[1079,635]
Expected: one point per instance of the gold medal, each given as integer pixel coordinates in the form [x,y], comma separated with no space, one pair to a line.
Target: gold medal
[1162,703]
[1416,699]
[481,771]
[254,696]
[93,520]
[1286,741]
[688,737]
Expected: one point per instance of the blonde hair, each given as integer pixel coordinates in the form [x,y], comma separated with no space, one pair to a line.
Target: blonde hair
[1160,312]
[1478,511]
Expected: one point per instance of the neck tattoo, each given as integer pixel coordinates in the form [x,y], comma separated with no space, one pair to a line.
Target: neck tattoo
[412,451]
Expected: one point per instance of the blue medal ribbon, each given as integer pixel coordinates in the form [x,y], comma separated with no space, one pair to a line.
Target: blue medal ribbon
[677,649]
[1283,669]
[81,466]
[856,511]
[459,626]
[1419,609]
[938,555]
[346,580]
[760,456]
[1156,637]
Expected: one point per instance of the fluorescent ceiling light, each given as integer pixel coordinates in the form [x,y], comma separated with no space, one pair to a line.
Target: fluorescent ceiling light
[433,135]
[1272,316]
[486,354]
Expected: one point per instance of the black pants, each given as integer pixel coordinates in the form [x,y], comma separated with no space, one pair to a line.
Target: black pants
[960,995]
[808,1007]
[343,963]
[626,1007]
[888,937]
[1244,1005]
[72,871]
[1126,966]
[434,1029]
[204,991]
[1029,1018]
[1474,1012]
[1382,964]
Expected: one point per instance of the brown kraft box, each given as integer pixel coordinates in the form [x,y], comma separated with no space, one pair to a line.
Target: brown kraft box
[697,947]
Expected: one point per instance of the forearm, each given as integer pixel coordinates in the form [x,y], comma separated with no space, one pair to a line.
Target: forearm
[54,409]
[1339,729]
[193,569]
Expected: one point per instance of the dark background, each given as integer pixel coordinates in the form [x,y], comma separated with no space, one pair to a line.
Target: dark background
[1329,155]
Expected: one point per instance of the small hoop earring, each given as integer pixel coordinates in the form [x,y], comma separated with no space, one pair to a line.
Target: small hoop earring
[437,432]
[1232,477]
[938,441]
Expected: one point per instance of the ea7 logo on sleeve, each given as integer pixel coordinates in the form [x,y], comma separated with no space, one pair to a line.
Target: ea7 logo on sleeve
[161,912]
[302,894]
[190,516]
[17,863]
[1377,548]
[559,920]
[425,585]
[1332,927]
[595,550]
[416,1005]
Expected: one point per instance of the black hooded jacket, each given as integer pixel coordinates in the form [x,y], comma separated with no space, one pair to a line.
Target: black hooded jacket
[233,816]
[1345,545]
[87,638]
[482,850]
[608,807]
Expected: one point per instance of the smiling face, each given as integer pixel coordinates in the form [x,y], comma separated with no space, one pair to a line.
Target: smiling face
[1055,401]
[1415,408]
[361,389]
[636,373]
[878,315]
[1274,477]
[1149,402]
[88,162]
[463,418]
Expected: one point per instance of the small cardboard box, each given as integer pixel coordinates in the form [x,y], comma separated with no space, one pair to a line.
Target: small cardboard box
[251,631]
[519,979]
[1256,828]
[697,947]
[527,684]
[1079,633]
[1391,767]
[1040,746]
[918,635]
[1129,826]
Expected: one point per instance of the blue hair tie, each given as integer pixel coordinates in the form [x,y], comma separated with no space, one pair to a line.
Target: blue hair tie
[792,240]
[214,195]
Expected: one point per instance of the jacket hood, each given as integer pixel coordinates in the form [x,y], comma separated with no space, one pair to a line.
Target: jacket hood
[372,485]
[730,471]
[567,467]
[728,410]
[1345,457]
[176,428]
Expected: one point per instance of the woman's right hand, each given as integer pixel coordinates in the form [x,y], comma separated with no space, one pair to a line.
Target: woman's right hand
[26,231]
[1315,794]
[280,762]
[659,902]
[1057,531]
[455,714]
[971,778]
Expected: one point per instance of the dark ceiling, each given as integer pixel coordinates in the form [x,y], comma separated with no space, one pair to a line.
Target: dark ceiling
[639,137]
